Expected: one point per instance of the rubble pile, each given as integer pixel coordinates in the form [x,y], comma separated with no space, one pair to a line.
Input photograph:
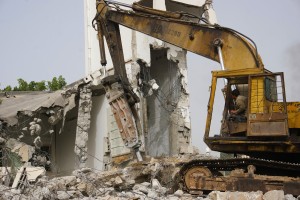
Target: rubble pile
[154,179]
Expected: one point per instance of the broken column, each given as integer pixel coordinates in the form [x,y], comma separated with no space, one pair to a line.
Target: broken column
[83,124]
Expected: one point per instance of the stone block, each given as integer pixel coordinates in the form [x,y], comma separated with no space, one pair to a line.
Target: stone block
[216,195]
[274,195]
[178,193]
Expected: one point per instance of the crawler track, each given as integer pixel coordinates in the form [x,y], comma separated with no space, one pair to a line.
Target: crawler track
[263,167]
[266,173]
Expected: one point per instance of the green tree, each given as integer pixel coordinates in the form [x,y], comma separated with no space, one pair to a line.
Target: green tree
[23,85]
[61,82]
[41,86]
[32,86]
[56,83]
[53,85]
[7,88]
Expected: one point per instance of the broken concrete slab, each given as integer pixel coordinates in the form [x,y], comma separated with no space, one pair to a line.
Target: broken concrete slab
[29,102]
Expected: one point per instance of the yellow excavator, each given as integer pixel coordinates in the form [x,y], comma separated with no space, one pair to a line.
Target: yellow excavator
[268,134]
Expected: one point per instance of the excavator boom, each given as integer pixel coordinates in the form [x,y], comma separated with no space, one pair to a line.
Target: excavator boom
[202,39]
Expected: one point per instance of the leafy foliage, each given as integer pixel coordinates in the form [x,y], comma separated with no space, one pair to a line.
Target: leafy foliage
[55,84]
[41,86]
[23,85]
[37,86]
[7,88]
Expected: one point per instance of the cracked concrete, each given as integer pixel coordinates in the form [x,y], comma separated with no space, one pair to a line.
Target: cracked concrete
[83,124]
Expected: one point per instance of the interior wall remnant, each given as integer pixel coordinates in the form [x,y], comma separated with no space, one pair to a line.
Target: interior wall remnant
[83,124]
[168,118]
[170,135]
[98,131]
[64,148]
[181,126]
[63,142]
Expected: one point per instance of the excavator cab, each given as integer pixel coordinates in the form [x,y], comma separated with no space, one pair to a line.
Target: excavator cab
[263,130]
[265,107]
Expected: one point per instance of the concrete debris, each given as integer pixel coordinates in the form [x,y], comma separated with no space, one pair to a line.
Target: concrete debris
[37,142]
[40,160]
[20,148]
[35,128]
[27,153]
[55,117]
[118,181]
[178,193]
[2,141]
[4,176]
[34,172]
[216,195]
[274,195]
[290,197]
[136,181]
[155,184]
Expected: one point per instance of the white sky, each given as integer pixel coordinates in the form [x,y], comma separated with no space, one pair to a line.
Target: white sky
[40,40]
[43,39]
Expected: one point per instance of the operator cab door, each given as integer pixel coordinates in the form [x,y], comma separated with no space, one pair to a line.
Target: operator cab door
[267,110]
[234,125]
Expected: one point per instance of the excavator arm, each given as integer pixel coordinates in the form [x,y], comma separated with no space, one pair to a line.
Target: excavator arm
[224,45]
[204,39]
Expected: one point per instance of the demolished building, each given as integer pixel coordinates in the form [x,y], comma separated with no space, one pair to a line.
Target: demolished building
[75,128]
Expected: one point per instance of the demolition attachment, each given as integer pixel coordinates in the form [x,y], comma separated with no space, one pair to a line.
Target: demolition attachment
[122,101]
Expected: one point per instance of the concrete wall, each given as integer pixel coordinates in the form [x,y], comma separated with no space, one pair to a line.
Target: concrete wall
[168,107]
[162,103]
[168,132]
